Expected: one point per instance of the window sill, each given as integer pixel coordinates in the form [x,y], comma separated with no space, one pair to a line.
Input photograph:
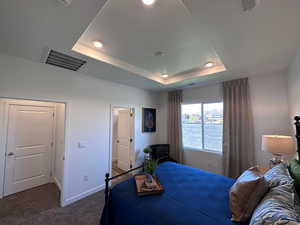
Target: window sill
[202,150]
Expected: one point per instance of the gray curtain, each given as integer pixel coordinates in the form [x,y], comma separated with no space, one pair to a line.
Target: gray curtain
[238,134]
[174,125]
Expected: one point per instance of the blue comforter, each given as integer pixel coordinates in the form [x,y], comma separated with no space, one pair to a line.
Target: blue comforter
[191,197]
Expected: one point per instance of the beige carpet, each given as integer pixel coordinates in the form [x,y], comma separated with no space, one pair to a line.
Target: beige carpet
[40,206]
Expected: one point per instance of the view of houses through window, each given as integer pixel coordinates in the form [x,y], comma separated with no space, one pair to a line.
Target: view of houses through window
[202,126]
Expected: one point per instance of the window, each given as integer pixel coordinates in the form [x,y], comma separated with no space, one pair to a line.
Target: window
[202,126]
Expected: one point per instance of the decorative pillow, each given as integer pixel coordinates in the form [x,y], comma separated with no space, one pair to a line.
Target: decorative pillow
[278,175]
[277,207]
[246,193]
[295,173]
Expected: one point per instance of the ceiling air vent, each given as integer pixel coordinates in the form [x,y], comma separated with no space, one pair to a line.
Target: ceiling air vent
[64,61]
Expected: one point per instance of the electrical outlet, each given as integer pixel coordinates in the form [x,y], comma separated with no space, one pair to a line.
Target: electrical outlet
[85,178]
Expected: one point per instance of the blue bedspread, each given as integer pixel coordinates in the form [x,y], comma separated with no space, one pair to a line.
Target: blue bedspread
[191,197]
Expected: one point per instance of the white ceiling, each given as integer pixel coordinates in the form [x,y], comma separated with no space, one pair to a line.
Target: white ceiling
[188,31]
[133,33]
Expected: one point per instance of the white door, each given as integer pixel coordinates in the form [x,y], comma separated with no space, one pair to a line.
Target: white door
[125,138]
[28,149]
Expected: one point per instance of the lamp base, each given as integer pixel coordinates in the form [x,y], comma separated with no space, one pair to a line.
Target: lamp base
[277,159]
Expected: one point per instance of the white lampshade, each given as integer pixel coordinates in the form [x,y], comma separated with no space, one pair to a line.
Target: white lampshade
[278,145]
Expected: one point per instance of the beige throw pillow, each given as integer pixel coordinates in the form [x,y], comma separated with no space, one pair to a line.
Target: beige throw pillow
[246,193]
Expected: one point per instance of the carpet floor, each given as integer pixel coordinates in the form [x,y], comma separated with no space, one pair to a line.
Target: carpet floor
[40,206]
[117,171]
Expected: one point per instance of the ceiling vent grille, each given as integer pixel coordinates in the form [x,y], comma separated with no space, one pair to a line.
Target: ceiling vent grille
[64,61]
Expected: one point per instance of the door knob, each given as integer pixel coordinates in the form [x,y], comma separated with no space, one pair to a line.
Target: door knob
[10,154]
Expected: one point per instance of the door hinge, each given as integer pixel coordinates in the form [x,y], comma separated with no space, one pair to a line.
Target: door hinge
[53,114]
[52,144]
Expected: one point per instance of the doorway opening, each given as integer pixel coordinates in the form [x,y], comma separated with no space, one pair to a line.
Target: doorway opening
[122,147]
[33,144]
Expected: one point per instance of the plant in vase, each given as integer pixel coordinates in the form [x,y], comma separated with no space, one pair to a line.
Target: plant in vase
[150,166]
[147,152]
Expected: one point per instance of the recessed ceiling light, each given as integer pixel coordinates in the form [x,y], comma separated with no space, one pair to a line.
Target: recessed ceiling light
[148,2]
[164,75]
[159,53]
[209,64]
[98,44]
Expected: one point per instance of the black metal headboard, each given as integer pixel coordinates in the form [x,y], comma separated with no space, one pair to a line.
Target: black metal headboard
[297,124]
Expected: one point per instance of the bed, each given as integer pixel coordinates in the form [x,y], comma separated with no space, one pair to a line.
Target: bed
[191,197]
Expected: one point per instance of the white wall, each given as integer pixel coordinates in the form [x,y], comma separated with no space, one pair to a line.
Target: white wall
[162,118]
[294,88]
[270,114]
[212,93]
[270,109]
[88,103]
[59,144]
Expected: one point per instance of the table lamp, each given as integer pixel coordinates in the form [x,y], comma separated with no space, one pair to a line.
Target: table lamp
[278,145]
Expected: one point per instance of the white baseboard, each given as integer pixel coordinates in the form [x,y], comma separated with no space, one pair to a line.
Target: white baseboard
[82,195]
[57,183]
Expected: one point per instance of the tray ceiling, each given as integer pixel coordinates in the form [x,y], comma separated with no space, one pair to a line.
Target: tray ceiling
[188,32]
[150,41]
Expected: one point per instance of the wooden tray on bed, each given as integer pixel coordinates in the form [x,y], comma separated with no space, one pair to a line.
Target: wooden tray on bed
[143,190]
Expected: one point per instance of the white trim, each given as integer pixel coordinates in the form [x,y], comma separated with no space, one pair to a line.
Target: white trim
[2,146]
[112,107]
[3,129]
[83,195]
[53,147]
[194,102]
[57,183]
[202,150]
[24,102]
[65,183]
[7,102]
[190,148]
[109,169]
[82,49]
[87,51]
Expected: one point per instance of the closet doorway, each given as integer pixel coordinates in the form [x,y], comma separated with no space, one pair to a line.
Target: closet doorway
[34,144]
